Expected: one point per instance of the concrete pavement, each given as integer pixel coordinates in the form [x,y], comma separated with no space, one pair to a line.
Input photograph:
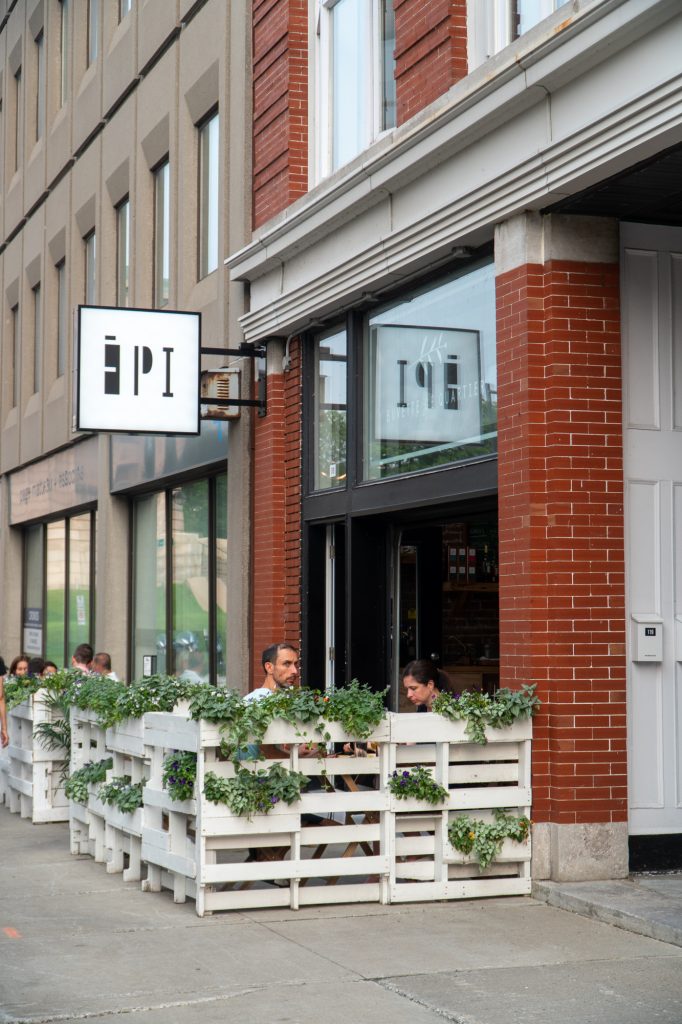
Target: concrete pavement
[77,944]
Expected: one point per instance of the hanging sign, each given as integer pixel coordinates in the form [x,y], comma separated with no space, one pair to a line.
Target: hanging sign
[138,370]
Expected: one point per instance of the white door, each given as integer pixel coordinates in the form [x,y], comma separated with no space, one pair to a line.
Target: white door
[651,286]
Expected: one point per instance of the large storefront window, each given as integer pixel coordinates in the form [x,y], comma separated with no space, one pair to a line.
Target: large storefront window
[58,572]
[180,588]
[430,378]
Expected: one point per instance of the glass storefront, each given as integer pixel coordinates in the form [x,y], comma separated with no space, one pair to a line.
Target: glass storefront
[399,508]
[180,579]
[58,593]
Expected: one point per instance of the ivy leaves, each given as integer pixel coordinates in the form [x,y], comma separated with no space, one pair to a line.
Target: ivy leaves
[121,792]
[480,711]
[76,787]
[255,792]
[485,838]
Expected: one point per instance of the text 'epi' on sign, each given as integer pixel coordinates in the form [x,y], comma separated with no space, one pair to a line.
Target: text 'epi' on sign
[112,366]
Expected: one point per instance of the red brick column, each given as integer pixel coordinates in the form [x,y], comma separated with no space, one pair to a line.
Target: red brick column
[562,577]
[430,52]
[280,105]
[276,519]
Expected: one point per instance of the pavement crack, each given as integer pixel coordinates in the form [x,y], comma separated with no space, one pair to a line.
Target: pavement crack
[454,1018]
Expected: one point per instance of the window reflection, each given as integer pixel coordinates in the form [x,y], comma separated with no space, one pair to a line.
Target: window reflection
[149,633]
[190,588]
[79,581]
[431,378]
[56,591]
[330,411]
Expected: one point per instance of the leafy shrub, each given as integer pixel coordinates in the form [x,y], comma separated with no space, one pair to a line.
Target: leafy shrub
[76,787]
[479,710]
[417,782]
[485,838]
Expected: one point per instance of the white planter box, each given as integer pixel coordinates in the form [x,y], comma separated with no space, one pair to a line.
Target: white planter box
[33,778]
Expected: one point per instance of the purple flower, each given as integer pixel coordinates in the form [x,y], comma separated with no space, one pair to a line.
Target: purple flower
[274,799]
[406,775]
[402,782]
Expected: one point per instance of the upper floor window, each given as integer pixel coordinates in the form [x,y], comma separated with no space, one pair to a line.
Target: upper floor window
[355,78]
[62,318]
[18,134]
[208,196]
[63,51]
[40,86]
[90,269]
[93,30]
[162,234]
[16,356]
[123,253]
[493,24]
[37,339]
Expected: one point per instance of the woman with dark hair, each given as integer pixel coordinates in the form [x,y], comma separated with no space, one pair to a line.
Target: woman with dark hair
[36,666]
[423,681]
[19,666]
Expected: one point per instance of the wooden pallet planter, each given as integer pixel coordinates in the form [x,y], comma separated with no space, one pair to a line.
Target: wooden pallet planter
[33,777]
[348,838]
[125,744]
[320,850]
[87,821]
[478,778]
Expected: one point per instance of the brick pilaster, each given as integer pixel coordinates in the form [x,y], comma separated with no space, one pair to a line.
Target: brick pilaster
[562,576]
[276,602]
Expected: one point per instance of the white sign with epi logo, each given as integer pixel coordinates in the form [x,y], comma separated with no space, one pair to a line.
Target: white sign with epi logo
[138,370]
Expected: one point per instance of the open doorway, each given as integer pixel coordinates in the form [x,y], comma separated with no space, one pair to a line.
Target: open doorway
[446,603]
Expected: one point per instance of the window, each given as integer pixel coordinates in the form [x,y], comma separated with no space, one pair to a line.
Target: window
[330,413]
[355,77]
[430,383]
[180,579]
[162,235]
[62,314]
[16,357]
[40,93]
[18,134]
[90,269]
[123,253]
[63,51]
[67,619]
[208,196]
[493,24]
[93,30]
[124,7]
[37,339]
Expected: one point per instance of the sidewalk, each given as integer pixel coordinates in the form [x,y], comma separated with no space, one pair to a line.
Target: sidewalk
[646,904]
[78,944]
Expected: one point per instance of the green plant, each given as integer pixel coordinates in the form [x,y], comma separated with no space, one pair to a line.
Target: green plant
[19,688]
[479,710]
[76,787]
[179,775]
[121,792]
[153,693]
[55,733]
[255,792]
[485,838]
[417,782]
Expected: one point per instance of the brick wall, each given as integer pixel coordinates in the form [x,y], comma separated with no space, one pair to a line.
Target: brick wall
[431,51]
[280,105]
[276,602]
[562,575]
